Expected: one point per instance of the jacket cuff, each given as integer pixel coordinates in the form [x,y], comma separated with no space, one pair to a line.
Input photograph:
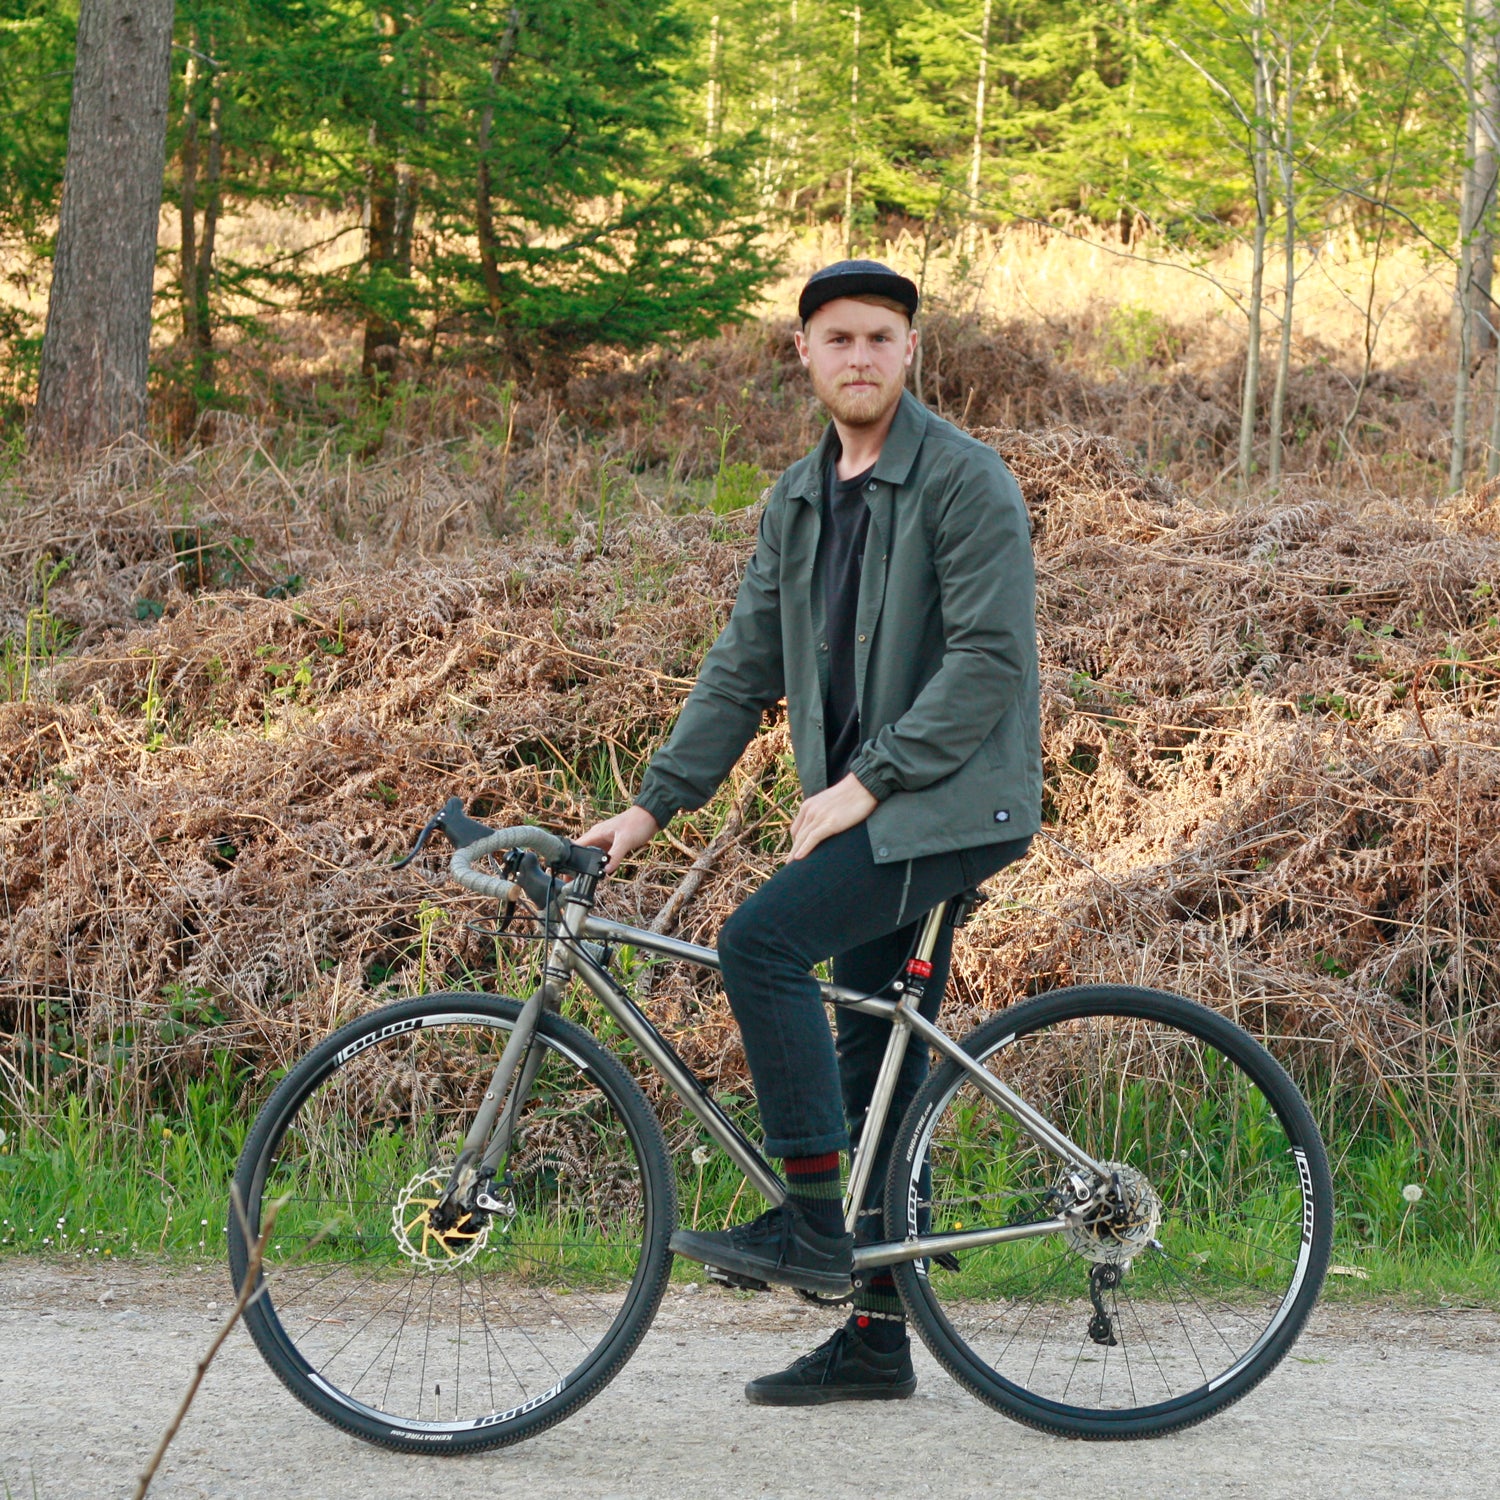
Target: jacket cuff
[659,805]
[873,781]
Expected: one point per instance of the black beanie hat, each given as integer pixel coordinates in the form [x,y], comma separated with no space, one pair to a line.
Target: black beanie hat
[855,278]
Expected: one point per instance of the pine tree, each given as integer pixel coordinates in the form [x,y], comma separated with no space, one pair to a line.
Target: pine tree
[92,385]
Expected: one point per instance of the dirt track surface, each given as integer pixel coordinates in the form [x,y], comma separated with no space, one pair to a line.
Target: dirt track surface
[93,1362]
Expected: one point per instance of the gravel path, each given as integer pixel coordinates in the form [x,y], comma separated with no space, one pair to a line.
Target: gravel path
[1374,1402]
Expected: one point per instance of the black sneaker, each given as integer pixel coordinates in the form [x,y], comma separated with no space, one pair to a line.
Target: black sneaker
[780,1247]
[844,1368]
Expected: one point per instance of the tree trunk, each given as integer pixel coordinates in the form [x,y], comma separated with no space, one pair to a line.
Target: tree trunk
[212,203]
[187,258]
[794,110]
[382,345]
[484,213]
[184,416]
[711,103]
[1486,160]
[853,142]
[195,262]
[1487,172]
[1260,155]
[1289,251]
[976,154]
[98,337]
[1463,293]
[387,236]
[1132,69]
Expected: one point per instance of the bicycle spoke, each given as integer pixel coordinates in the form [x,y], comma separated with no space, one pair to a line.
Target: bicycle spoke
[473,1320]
[1188,1253]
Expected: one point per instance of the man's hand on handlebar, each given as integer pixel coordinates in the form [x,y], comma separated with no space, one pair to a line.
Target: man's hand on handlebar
[621,835]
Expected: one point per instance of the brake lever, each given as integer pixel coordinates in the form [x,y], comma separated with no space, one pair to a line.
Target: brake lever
[454,824]
[433,823]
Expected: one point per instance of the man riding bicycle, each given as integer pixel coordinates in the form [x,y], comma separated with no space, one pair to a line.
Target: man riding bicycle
[891,601]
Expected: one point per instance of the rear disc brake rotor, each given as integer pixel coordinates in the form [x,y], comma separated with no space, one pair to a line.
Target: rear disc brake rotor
[1116,1238]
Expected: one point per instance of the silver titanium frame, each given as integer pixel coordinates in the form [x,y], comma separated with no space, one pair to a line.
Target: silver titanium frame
[486,1144]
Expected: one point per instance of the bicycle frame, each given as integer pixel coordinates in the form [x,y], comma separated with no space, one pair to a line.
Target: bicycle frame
[488,1139]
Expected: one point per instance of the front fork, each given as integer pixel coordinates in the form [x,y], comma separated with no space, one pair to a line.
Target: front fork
[489,1140]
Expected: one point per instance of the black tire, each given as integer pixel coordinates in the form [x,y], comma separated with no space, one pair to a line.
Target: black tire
[1230,1236]
[448,1344]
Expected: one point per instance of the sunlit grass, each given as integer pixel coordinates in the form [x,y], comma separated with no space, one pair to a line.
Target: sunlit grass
[80,1187]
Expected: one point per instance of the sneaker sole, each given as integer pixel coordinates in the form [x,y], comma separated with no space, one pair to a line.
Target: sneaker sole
[834,1282]
[824,1395]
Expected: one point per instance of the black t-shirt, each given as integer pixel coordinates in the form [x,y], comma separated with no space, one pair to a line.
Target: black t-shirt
[841,550]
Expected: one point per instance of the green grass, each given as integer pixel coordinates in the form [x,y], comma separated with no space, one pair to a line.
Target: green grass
[77,1186]
[81,1186]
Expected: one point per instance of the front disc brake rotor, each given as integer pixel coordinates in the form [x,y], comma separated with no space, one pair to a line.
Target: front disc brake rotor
[418,1240]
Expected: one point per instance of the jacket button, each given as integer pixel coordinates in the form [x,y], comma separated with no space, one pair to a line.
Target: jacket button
[882,851]
[822,645]
[861,637]
[871,485]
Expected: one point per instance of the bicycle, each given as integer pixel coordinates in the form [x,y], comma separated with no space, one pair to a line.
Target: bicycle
[1108,1212]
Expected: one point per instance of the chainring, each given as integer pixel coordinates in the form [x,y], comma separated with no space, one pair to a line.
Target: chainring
[822,1299]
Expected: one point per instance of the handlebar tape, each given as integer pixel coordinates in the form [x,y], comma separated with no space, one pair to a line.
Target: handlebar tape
[538,840]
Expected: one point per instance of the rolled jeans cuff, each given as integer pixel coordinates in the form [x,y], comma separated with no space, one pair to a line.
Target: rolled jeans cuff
[807,1145]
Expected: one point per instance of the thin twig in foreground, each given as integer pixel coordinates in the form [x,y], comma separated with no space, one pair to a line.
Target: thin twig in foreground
[249,1292]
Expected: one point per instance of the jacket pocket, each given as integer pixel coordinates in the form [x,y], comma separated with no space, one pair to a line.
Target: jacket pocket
[989,748]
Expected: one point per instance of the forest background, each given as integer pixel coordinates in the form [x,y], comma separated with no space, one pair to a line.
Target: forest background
[464,357]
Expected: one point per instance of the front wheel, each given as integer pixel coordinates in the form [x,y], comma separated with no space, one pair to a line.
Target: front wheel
[1189,1294]
[445,1339]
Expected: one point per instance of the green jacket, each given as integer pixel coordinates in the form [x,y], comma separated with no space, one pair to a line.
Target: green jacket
[945,653]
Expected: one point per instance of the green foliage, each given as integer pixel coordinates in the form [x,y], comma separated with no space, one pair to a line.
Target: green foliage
[519,181]
[78,1185]
[36,47]
[1136,336]
[525,173]
[736,485]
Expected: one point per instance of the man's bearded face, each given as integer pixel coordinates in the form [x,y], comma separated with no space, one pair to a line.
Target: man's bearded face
[857,354]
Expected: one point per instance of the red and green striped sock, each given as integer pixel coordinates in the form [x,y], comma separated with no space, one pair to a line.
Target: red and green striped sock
[817,1191]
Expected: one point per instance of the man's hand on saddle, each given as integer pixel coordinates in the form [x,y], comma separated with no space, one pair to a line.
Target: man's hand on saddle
[621,835]
[841,807]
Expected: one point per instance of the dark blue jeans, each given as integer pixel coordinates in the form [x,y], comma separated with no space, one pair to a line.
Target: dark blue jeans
[837,903]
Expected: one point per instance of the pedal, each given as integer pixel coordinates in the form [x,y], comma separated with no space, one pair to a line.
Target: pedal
[735,1280]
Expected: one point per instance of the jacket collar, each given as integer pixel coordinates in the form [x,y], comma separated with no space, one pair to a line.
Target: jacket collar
[897,455]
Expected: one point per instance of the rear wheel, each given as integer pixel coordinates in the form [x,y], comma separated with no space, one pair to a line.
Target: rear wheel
[432,1339]
[1192,1291]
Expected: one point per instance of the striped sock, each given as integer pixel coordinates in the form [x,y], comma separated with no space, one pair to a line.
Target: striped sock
[817,1190]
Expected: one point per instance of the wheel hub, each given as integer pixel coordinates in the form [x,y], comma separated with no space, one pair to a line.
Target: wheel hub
[423,1242]
[1122,1222]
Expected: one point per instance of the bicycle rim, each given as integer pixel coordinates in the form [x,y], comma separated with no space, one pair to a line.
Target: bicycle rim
[451,1341]
[1181,1304]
